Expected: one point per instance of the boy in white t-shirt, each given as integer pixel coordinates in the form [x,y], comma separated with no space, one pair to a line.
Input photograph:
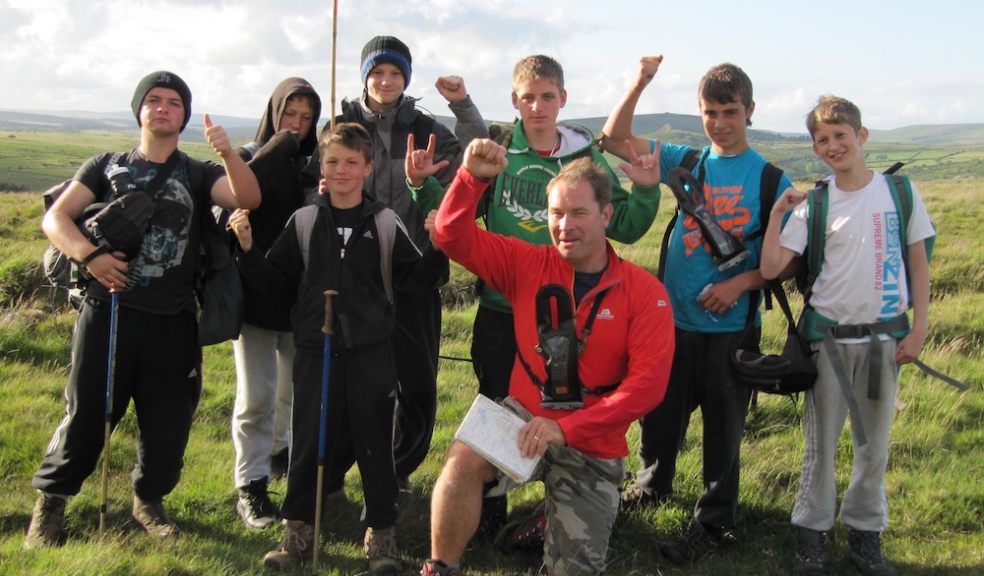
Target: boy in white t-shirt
[864,281]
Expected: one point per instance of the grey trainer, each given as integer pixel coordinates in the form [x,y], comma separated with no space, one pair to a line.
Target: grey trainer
[47,523]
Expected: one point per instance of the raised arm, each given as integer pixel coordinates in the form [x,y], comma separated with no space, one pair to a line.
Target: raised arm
[775,257]
[469,124]
[618,128]
[238,188]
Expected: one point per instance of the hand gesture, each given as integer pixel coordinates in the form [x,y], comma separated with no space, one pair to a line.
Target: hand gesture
[217,138]
[787,201]
[644,170]
[239,224]
[452,88]
[648,66]
[484,158]
[419,164]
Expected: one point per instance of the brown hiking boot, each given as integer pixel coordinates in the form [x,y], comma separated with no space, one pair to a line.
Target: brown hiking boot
[525,534]
[296,549]
[151,515]
[380,549]
[47,523]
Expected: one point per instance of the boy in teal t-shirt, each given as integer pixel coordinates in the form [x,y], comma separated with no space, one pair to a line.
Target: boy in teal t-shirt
[710,306]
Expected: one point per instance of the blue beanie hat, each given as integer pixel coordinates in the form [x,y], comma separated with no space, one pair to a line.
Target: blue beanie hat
[167,80]
[386,49]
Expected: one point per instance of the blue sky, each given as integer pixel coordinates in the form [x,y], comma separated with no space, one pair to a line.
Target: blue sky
[902,62]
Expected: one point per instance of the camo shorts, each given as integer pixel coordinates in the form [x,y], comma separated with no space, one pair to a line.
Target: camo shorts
[581,497]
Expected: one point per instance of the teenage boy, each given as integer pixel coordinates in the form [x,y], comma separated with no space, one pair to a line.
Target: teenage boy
[865,285]
[622,323]
[710,306]
[339,249]
[515,204]
[390,115]
[264,351]
[158,359]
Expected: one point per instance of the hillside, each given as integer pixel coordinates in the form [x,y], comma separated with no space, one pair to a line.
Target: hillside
[38,149]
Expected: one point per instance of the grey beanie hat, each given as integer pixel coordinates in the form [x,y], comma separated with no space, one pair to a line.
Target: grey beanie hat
[167,80]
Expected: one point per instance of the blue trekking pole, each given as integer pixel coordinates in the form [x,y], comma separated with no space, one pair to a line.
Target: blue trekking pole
[110,376]
[327,330]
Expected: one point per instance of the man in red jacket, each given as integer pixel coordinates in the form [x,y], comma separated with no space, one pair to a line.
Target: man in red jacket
[620,346]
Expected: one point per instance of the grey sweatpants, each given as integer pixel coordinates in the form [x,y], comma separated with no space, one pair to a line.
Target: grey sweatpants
[865,506]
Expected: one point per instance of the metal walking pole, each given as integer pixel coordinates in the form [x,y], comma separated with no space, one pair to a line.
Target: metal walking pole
[110,376]
[327,330]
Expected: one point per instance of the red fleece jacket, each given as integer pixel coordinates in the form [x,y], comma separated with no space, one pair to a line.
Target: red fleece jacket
[631,340]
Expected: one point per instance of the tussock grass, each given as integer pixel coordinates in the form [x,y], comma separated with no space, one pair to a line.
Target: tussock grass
[934,480]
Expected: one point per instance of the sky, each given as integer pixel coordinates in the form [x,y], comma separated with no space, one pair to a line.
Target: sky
[903,62]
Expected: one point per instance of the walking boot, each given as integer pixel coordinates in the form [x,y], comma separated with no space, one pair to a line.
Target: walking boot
[296,549]
[47,523]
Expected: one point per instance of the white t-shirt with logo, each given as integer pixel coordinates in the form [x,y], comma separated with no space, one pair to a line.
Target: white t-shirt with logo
[863,277]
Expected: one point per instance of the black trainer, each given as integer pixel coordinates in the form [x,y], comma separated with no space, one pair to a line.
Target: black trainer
[811,556]
[254,505]
[697,543]
[866,553]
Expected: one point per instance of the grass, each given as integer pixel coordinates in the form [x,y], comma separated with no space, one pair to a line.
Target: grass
[934,481]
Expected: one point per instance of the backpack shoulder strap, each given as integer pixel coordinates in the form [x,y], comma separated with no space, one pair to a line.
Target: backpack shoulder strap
[689,161]
[816,227]
[901,190]
[386,224]
[303,224]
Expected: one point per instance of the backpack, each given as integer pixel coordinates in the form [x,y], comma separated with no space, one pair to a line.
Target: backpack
[58,270]
[816,225]
[386,224]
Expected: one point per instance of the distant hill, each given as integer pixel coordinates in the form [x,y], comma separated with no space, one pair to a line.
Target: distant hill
[39,148]
[682,128]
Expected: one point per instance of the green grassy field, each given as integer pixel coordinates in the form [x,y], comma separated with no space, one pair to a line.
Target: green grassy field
[935,478]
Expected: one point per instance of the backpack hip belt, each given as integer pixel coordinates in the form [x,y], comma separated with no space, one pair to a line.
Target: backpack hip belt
[831,331]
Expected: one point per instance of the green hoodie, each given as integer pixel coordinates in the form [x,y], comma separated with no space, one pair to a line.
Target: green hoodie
[518,206]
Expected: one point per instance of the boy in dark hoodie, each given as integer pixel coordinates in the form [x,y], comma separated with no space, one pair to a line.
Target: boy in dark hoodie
[390,115]
[264,351]
[342,241]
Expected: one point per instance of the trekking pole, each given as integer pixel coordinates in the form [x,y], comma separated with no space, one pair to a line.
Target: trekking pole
[327,330]
[334,44]
[107,428]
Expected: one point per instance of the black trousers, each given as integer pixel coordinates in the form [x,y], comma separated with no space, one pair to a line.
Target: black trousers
[361,401]
[416,345]
[158,366]
[493,351]
[700,377]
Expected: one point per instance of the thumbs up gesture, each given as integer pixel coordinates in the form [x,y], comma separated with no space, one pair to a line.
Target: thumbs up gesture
[217,138]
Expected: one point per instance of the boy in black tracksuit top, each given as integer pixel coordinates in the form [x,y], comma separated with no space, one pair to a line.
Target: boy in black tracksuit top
[344,255]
